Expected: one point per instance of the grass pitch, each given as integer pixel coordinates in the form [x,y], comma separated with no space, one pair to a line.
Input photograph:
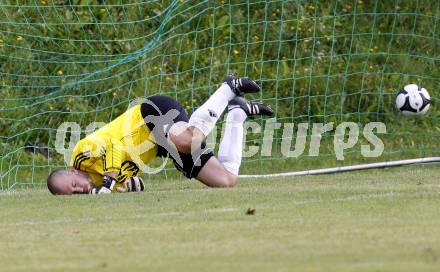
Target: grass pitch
[376,220]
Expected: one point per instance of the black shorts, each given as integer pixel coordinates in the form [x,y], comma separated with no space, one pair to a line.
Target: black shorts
[160,113]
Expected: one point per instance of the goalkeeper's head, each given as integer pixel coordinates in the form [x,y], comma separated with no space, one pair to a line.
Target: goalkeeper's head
[67,182]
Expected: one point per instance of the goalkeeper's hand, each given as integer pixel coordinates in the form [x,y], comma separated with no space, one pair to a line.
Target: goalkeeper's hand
[132,184]
[106,188]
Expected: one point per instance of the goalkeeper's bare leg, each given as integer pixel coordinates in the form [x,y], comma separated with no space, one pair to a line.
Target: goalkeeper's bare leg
[189,137]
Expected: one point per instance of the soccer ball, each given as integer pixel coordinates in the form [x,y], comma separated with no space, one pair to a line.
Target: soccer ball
[413,100]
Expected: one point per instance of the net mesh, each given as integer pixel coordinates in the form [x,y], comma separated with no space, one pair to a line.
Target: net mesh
[317,62]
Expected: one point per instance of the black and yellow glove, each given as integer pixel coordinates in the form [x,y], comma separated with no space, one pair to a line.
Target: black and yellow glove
[106,188]
[132,184]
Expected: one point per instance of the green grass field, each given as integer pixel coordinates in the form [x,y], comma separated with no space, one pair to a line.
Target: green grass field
[376,220]
[85,61]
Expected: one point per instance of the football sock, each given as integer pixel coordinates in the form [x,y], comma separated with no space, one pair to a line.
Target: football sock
[205,117]
[231,145]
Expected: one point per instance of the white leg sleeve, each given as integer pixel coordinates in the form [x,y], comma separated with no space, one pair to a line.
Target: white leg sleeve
[231,145]
[205,117]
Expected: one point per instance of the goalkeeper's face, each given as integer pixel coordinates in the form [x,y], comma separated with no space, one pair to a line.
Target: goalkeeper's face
[67,182]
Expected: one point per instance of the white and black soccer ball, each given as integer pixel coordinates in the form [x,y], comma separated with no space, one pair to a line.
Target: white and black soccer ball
[413,100]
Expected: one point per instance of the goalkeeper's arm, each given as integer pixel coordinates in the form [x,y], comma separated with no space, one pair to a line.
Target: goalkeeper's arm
[112,156]
[132,184]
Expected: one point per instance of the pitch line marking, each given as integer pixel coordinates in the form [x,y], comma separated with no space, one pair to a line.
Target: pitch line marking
[356,197]
[112,218]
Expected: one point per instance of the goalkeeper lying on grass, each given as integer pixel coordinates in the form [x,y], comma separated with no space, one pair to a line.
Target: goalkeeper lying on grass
[109,159]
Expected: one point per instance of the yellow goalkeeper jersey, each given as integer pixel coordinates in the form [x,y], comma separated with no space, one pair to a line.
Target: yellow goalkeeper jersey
[121,146]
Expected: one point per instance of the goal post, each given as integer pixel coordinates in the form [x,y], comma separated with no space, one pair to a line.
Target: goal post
[329,69]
